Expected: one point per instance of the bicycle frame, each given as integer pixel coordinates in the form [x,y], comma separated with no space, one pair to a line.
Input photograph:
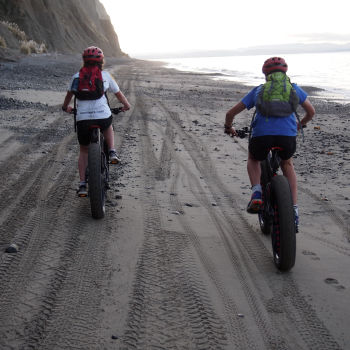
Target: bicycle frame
[274,160]
[277,215]
[97,170]
[272,165]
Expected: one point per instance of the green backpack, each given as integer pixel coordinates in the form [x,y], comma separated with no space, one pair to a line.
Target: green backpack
[277,97]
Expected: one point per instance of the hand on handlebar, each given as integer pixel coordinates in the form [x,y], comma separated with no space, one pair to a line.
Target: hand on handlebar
[230,130]
[241,133]
[301,126]
[69,110]
[118,110]
[126,107]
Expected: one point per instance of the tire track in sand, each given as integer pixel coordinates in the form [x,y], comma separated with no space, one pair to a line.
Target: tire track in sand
[169,307]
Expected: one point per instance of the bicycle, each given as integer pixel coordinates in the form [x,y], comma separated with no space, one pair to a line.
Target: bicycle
[97,171]
[277,216]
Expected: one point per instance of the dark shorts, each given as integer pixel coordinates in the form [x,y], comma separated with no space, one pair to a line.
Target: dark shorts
[83,127]
[259,146]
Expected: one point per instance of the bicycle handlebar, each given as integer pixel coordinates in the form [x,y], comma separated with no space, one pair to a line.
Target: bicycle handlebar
[117,110]
[242,133]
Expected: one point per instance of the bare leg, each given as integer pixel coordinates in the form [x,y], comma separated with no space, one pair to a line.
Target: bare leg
[289,172]
[254,171]
[83,161]
[109,137]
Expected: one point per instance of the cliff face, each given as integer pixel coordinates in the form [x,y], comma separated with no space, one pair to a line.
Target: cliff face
[66,26]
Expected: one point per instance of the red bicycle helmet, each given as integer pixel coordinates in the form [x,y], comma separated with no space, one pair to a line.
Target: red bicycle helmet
[274,64]
[93,54]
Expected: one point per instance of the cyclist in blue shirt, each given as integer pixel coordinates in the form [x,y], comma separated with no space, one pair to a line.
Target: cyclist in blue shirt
[271,131]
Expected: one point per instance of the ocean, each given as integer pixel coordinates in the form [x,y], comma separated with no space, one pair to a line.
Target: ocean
[328,71]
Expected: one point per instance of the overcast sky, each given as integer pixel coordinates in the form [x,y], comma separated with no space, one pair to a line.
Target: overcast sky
[158,26]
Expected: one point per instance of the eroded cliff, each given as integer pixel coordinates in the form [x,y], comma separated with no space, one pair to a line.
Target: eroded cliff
[65,26]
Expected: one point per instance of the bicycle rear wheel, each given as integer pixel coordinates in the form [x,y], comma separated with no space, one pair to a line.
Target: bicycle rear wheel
[96,181]
[283,233]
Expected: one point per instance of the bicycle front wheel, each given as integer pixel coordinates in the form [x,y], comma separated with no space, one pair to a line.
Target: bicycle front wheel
[96,181]
[283,232]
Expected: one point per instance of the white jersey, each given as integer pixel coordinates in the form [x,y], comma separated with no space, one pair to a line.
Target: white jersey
[96,109]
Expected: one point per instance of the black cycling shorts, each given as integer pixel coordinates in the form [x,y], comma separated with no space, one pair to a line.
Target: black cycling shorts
[83,127]
[259,146]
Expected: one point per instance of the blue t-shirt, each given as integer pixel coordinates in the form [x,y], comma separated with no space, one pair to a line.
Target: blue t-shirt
[263,125]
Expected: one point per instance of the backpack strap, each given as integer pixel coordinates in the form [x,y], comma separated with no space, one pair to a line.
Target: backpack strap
[75,114]
[107,99]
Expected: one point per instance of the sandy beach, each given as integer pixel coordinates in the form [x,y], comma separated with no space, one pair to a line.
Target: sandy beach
[177,263]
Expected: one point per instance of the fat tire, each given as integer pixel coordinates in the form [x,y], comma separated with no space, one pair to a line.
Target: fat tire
[283,235]
[96,181]
[264,219]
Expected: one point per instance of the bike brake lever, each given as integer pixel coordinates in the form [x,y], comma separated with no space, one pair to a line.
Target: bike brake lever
[117,110]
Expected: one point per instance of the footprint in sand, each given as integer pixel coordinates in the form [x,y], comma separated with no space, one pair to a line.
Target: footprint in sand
[334,282]
[311,254]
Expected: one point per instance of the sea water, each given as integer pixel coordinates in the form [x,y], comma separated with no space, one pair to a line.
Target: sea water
[329,71]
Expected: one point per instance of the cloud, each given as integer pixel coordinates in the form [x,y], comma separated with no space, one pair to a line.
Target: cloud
[324,37]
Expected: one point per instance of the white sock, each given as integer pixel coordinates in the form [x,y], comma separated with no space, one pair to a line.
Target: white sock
[296,209]
[256,188]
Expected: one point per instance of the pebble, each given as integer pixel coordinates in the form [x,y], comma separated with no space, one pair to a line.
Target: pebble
[12,248]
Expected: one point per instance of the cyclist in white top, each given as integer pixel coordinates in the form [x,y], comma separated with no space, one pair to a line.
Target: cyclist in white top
[94,112]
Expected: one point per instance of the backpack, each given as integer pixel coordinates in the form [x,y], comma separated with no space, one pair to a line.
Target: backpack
[277,97]
[89,85]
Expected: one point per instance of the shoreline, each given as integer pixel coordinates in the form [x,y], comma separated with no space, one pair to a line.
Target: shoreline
[63,61]
[330,93]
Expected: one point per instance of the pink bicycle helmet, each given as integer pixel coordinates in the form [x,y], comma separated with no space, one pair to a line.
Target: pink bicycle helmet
[93,54]
[274,64]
